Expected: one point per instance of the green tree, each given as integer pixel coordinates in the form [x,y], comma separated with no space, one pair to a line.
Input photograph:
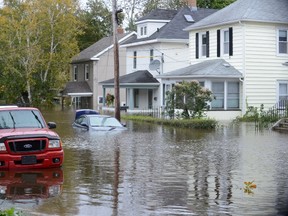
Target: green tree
[38,39]
[97,23]
[150,5]
[189,97]
[215,4]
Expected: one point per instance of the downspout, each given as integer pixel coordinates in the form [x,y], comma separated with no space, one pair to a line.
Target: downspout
[243,80]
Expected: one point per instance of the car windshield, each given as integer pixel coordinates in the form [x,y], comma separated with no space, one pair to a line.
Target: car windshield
[104,122]
[20,119]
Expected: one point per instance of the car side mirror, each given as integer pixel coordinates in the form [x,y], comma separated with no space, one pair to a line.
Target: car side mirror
[51,125]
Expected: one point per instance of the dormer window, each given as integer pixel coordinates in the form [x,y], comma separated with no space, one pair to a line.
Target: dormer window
[143,30]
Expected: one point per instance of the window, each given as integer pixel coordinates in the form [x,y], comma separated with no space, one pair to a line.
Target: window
[143,31]
[202,44]
[75,73]
[282,42]
[283,91]
[218,92]
[203,40]
[135,60]
[233,95]
[227,95]
[225,42]
[86,72]
[151,55]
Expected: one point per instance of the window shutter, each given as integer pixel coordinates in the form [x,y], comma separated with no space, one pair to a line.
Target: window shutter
[207,44]
[218,43]
[230,41]
[197,45]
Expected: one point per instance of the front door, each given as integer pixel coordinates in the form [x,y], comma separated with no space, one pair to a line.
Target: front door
[150,98]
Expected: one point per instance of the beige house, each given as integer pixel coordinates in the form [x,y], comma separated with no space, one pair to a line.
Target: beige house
[91,66]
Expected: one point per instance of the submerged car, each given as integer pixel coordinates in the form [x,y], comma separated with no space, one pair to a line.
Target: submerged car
[90,121]
[26,140]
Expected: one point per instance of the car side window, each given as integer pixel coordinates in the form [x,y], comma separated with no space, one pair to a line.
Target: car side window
[79,120]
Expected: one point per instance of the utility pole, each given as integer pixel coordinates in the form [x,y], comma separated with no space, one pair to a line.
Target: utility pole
[116,59]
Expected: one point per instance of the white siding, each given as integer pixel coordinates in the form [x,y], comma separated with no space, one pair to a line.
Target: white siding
[254,55]
[263,67]
[175,56]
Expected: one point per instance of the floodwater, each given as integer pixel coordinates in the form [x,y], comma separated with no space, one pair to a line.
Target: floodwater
[156,170]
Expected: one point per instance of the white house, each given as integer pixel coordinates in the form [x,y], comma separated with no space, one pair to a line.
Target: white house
[161,45]
[241,54]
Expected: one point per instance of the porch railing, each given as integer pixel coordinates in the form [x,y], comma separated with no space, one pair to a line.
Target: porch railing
[279,110]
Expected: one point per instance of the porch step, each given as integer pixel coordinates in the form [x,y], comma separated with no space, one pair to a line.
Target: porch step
[281,125]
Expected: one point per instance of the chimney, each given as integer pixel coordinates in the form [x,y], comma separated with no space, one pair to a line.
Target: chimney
[192,4]
[120,30]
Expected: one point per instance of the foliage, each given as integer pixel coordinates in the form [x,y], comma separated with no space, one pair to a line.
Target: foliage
[215,4]
[150,5]
[97,23]
[184,123]
[10,212]
[189,97]
[261,117]
[109,99]
[249,187]
[38,39]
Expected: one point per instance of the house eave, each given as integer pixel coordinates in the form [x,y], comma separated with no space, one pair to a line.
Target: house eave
[85,94]
[152,21]
[158,40]
[133,85]
[192,28]
[198,76]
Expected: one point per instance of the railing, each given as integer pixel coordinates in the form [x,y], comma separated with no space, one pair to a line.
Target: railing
[279,110]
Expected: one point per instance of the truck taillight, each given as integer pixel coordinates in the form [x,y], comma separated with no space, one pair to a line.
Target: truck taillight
[2,147]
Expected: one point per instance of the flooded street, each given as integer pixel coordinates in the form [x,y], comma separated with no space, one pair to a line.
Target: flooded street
[156,170]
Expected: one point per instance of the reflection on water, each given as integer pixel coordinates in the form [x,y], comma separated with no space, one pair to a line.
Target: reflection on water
[29,186]
[155,170]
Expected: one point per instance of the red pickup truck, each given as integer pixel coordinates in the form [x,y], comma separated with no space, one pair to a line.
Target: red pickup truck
[26,140]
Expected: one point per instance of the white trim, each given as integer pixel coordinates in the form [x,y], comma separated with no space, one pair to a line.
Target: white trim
[96,57]
[152,21]
[80,94]
[219,24]
[184,41]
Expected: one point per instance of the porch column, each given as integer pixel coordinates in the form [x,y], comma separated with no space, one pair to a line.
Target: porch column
[104,99]
[131,98]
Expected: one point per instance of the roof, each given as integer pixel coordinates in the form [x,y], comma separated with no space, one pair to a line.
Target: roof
[77,89]
[217,68]
[247,10]
[159,14]
[96,48]
[174,29]
[136,78]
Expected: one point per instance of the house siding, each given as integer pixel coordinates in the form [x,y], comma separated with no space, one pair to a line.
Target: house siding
[175,56]
[262,65]
[254,55]
[104,70]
